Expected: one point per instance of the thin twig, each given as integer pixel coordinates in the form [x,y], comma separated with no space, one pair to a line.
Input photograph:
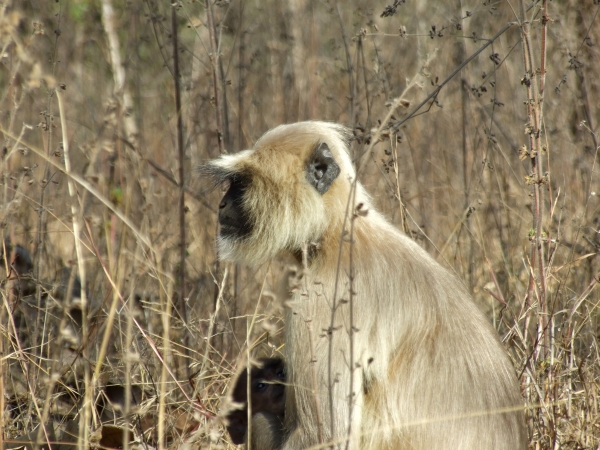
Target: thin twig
[182,308]
[309,323]
[214,58]
[457,70]
[39,247]
[76,215]
[349,66]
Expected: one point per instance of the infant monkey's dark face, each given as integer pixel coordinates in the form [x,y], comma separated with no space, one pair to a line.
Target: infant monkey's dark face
[267,395]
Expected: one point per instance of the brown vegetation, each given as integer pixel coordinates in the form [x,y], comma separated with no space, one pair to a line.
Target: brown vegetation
[495,175]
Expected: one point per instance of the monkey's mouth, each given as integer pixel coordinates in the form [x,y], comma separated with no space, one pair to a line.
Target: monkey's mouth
[233,217]
[234,226]
[230,231]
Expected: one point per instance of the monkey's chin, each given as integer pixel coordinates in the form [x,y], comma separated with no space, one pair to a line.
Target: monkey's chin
[237,250]
[226,249]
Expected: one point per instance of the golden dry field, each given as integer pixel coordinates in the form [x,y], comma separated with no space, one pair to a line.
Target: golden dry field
[477,128]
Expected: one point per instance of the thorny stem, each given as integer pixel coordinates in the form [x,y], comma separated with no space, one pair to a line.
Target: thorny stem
[535,83]
[334,306]
[534,112]
[306,283]
[351,393]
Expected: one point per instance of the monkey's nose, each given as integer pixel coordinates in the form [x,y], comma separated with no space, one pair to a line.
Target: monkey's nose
[223,204]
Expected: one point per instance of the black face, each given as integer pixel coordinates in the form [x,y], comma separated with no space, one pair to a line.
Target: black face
[233,218]
[271,375]
[268,387]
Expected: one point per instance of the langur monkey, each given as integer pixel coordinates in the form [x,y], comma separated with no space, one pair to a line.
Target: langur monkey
[267,397]
[384,347]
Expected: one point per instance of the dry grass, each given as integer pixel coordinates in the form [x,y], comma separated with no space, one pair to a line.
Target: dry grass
[498,185]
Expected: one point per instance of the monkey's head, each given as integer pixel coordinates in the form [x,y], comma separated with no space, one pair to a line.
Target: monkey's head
[267,388]
[267,395]
[291,189]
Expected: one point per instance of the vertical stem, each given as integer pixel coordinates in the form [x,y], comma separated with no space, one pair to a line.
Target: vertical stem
[3,368]
[214,58]
[351,393]
[128,362]
[300,58]
[309,323]
[461,55]
[224,108]
[166,351]
[76,211]
[241,145]
[43,214]
[540,107]
[361,50]
[182,306]
[537,252]
[241,80]
[545,20]
[118,69]
[350,67]
[248,388]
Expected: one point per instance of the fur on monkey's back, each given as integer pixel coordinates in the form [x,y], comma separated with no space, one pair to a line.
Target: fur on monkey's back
[452,366]
[428,356]
[435,372]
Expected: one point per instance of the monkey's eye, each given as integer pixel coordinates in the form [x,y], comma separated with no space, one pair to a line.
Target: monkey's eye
[260,386]
[281,375]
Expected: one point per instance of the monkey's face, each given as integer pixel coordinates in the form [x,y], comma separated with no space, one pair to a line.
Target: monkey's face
[284,193]
[268,388]
[267,395]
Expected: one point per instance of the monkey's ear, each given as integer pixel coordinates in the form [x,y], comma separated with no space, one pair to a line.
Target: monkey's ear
[321,168]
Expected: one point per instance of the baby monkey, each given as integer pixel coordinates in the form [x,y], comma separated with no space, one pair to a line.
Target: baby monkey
[267,398]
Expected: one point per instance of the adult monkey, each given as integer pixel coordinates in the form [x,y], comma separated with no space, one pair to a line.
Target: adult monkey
[415,365]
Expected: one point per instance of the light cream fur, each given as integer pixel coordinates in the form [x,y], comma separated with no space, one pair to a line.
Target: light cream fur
[429,371]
